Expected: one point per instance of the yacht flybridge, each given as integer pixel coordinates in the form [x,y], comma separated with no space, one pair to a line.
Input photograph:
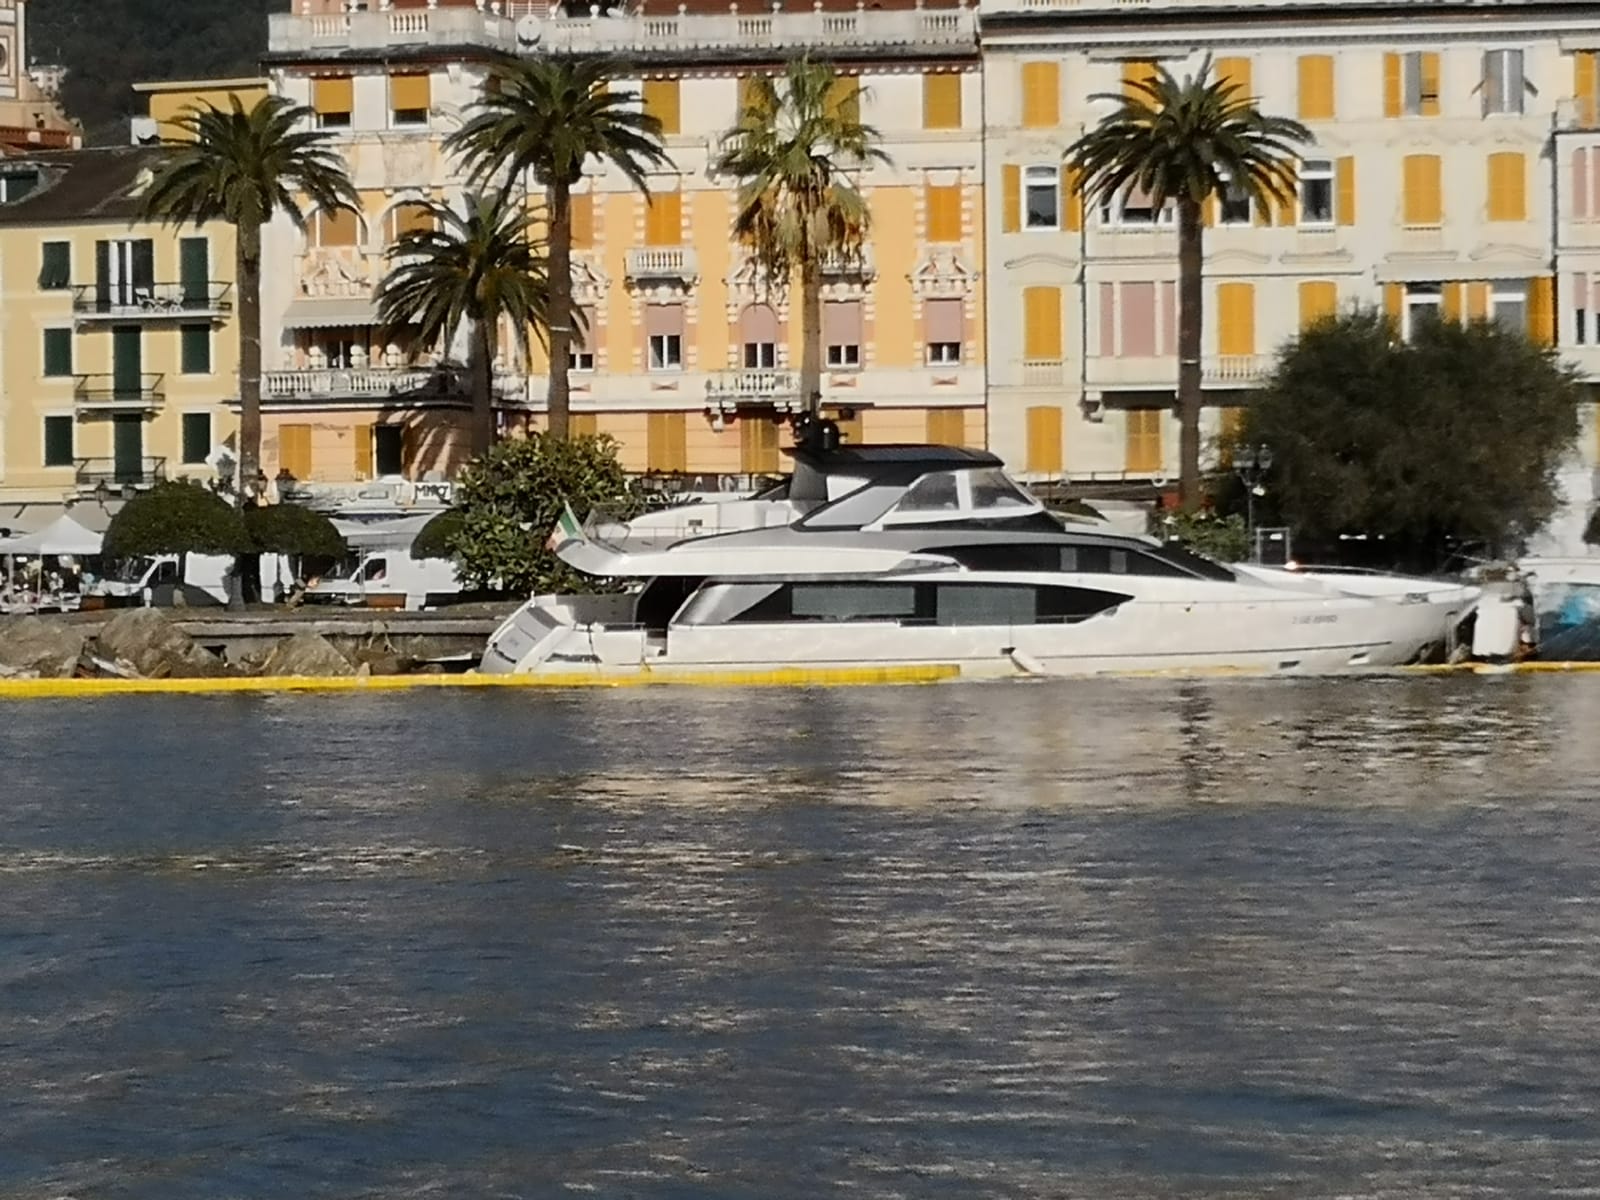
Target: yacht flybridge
[911,555]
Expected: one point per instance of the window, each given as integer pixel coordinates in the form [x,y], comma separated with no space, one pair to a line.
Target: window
[1316,87]
[1235,206]
[760,356]
[1411,84]
[853,602]
[1134,206]
[1236,326]
[942,205]
[410,97]
[1319,298]
[842,333]
[844,98]
[1502,84]
[1508,192]
[1041,95]
[14,185]
[663,327]
[758,337]
[582,218]
[1508,305]
[580,343]
[194,271]
[1142,453]
[1041,198]
[1137,71]
[389,449]
[336,227]
[1235,73]
[1580,309]
[333,100]
[941,101]
[660,100]
[1423,302]
[1316,192]
[294,450]
[58,450]
[1041,324]
[124,272]
[666,442]
[57,353]
[663,219]
[1044,455]
[1586,86]
[55,266]
[195,349]
[1423,205]
[196,437]
[942,321]
[666,351]
[411,217]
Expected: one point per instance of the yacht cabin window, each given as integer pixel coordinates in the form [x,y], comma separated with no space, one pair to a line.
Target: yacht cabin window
[963,603]
[967,494]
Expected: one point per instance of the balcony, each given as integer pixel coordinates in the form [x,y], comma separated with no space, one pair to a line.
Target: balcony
[151,302]
[365,383]
[109,473]
[1160,372]
[728,389]
[951,31]
[119,393]
[663,262]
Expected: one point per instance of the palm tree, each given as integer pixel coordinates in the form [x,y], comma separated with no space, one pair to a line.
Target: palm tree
[550,116]
[244,168]
[1188,142]
[792,152]
[473,268]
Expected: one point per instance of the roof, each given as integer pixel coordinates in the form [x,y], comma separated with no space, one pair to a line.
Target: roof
[83,185]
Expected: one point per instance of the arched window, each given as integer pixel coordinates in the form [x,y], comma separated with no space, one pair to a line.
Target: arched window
[337,227]
[758,332]
[408,218]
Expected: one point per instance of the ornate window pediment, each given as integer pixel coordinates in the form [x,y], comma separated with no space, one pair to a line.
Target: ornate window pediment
[943,272]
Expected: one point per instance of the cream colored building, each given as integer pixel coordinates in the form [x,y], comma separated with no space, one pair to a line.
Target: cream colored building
[117,339]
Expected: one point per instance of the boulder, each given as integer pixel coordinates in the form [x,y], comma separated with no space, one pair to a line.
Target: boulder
[35,646]
[306,653]
[155,648]
[381,662]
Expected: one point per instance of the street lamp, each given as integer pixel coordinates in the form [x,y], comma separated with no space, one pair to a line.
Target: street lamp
[1251,464]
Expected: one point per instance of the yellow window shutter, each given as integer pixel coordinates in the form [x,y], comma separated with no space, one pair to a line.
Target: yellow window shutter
[582,209]
[844,98]
[1288,204]
[333,95]
[1262,211]
[758,446]
[1044,439]
[943,205]
[337,227]
[363,451]
[1316,87]
[1010,198]
[665,441]
[1422,203]
[1391,85]
[946,426]
[1072,197]
[583,424]
[1041,95]
[1235,72]
[663,219]
[1318,298]
[1477,301]
[941,100]
[1136,71]
[294,450]
[1450,301]
[1508,197]
[749,95]
[1208,211]
[1345,187]
[1142,452]
[661,102]
[1041,324]
[1542,310]
[1394,299]
[1430,84]
[1236,302]
[410,93]
[1586,85]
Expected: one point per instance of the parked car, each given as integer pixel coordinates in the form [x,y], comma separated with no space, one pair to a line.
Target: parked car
[389,578]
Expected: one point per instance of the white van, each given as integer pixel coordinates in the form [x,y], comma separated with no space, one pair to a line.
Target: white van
[207,573]
[390,578]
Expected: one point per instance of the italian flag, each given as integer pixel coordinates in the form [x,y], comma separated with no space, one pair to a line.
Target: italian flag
[567,530]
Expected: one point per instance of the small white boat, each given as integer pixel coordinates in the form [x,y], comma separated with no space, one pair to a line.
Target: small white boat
[928,555]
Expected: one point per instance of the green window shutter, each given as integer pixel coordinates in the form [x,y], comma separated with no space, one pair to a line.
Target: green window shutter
[58,441]
[196,347]
[196,437]
[57,352]
[194,269]
[55,266]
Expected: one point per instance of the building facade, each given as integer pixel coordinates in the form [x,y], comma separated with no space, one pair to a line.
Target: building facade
[117,335]
[31,117]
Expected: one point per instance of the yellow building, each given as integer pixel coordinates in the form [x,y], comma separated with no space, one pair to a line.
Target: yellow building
[167,102]
[117,335]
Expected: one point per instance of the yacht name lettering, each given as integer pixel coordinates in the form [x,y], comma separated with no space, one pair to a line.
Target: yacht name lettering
[1317,619]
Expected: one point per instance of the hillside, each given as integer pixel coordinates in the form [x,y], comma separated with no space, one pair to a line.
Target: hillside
[108,45]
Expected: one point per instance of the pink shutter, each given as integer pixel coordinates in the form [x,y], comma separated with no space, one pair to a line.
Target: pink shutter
[584,331]
[663,319]
[841,323]
[1169,317]
[1138,320]
[1108,320]
[1580,291]
[942,321]
[758,323]
[1580,183]
[1593,208]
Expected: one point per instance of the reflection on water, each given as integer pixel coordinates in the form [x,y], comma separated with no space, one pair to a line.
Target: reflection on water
[1079,939]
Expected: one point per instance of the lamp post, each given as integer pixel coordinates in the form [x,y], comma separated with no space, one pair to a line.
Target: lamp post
[1251,464]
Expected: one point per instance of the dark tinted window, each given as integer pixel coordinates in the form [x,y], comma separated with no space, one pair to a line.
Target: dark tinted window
[926,603]
[1186,559]
[1053,556]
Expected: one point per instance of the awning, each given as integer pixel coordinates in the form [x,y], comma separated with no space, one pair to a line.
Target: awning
[329,312]
[61,536]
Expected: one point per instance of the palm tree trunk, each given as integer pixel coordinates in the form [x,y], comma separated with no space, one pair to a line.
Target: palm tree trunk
[1190,318]
[247,272]
[482,367]
[811,334]
[559,405]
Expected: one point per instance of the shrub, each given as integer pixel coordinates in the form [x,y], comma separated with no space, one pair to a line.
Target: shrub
[176,518]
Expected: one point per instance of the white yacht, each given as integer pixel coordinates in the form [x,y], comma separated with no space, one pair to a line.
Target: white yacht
[929,555]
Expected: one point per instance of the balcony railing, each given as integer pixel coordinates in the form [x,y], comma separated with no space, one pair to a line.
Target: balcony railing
[150,302]
[730,388]
[663,262]
[115,392]
[112,473]
[365,383]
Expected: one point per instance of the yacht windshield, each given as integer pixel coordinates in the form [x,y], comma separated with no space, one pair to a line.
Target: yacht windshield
[968,494]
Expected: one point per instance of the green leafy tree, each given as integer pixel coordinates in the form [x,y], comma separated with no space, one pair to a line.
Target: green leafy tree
[1222,537]
[244,168]
[1188,142]
[510,499]
[549,116]
[294,530]
[798,142]
[437,539]
[474,268]
[176,518]
[1456,436]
